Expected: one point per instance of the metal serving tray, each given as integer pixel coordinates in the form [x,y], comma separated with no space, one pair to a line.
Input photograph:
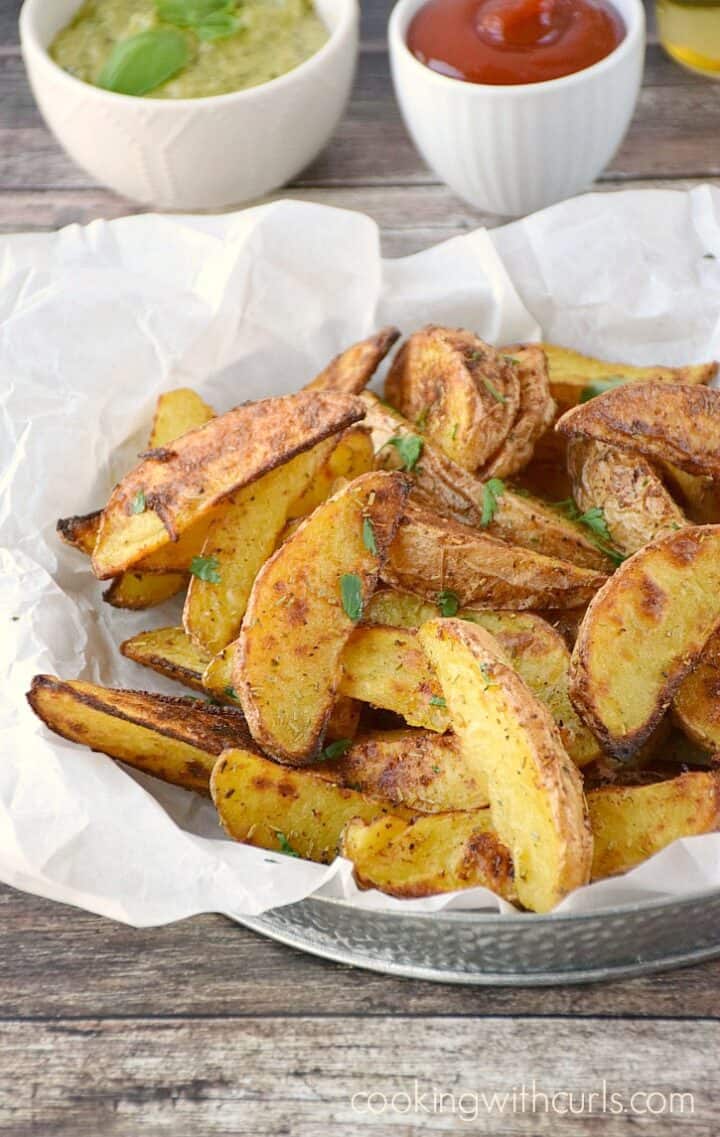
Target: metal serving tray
[514,951]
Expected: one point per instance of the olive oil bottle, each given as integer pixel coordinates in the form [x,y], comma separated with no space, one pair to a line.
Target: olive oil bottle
[690,33]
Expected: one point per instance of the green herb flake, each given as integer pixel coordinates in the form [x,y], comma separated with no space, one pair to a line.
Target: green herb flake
[230,692]
[285,846]
[448,602]
[435,769]
[421,420]
[409,448]
[709,257]
[138,503]
[206,568]
[493,489]
[487,676]
[453,432]
[351,594]
[594,519]
[600,386]
[437,701]
[145,61]
[492,390]
[336,749]
[368,533]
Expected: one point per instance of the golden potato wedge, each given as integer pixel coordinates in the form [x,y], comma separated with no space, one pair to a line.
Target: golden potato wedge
[643,633]
[304,604]
[696,706]
[176,412]
[632,823]
[353,369]
[139,590]
[170,652]
[175,486]
[429,855]
[665,422]
[352,455]
[238,544]
[80,532]
[535,415]
[700,497]
[636,507]
[457,494]
[576,378]
[388,668]
[509,739]
[460,392]
[291,811]
[176,740]
[424,771]
[432,556]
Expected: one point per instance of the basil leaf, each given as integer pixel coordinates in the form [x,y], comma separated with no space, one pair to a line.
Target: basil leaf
[351,594]
[448,602]
[493,489]
[218,26]
[206,568]
[189,13]
[145,61]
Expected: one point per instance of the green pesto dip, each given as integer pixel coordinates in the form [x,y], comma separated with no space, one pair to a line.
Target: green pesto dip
[269,38]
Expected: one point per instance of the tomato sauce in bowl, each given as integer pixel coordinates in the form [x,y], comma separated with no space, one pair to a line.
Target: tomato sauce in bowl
[508,42]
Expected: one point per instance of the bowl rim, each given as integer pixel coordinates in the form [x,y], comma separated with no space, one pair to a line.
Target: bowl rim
[337,37]
[634,38]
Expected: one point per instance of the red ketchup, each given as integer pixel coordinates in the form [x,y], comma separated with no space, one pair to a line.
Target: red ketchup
[513,41]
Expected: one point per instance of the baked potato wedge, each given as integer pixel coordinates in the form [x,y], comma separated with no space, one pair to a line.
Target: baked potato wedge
[632,823]
[176,740]
[304,604]
[80,532]
[696,706]
[636,507]
[175,486]
[289,811]
[643,633]
[510,742]
[170,652]
[535,415]
[176,412]
[664,422]
[388,668]
[429,855]
[700,497]
[139,590]
[353,368]
[434,556]
[351,456]
[459,391]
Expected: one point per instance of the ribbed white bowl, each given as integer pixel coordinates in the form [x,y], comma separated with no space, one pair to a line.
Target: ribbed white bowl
[194,153]
[515,149]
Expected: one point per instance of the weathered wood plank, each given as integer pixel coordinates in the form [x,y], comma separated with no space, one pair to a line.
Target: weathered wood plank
[56,961]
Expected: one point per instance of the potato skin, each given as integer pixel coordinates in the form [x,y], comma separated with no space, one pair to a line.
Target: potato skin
[643,633]
[662,421]
[535,415]
[350,371]
[696,707]
[636,506]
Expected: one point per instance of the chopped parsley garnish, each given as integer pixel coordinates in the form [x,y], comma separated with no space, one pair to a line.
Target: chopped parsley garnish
[436,769]
[492,390]
[437,701]
[138,503]
[453,432]
[369,536]
[600,386]
[409,448]
[448,602]
[230,692]
[206,568]
[285,846]
[493,489]
[487,675]
[351,594]
[594,520]
[336,749]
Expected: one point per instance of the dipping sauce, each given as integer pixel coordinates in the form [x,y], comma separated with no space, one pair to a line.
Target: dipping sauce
[506,42]
[187,49]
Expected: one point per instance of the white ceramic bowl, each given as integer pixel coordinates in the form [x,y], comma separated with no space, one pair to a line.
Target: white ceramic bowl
[515,149]
[194,153]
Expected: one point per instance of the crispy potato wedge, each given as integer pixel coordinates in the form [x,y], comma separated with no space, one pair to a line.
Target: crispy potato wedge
[424,771]
[353,369]
[643,633]
[139,590]
[81,531]
[170,652]
[180,484]
[304,604]
[457,494]
[429,855]
[700,497]
[388,668]
[576,378]
[176,412]
[663,421]
[632,823]
[460,392]
[176,740]
[509,739]
[696,706]
[238,544]
[537,651]
[291,811]
[535,415]
[432,555]
[636,507]
[352,456]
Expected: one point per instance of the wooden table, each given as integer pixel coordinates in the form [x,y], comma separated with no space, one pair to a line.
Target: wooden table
[202,1028]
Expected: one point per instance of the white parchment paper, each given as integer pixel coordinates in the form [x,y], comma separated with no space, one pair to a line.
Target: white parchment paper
[95,322]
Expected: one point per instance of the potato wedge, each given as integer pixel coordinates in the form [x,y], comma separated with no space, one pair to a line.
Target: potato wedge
[431,556]
[388,668]
[181,484]
[176,740]
[238,544]
[663,421]
[290,811]
[170,652]
[304,604]
[139,590]
[546,476]
[696,706]
[700,497]
[535,415]
[352,456]
[353,369]
[81,531]
[509,739]
[636,507]
[643,633]
[512,517]
[459,391]
[176,412]
[632,823]
[429,855]
[576,378]
[424,771]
